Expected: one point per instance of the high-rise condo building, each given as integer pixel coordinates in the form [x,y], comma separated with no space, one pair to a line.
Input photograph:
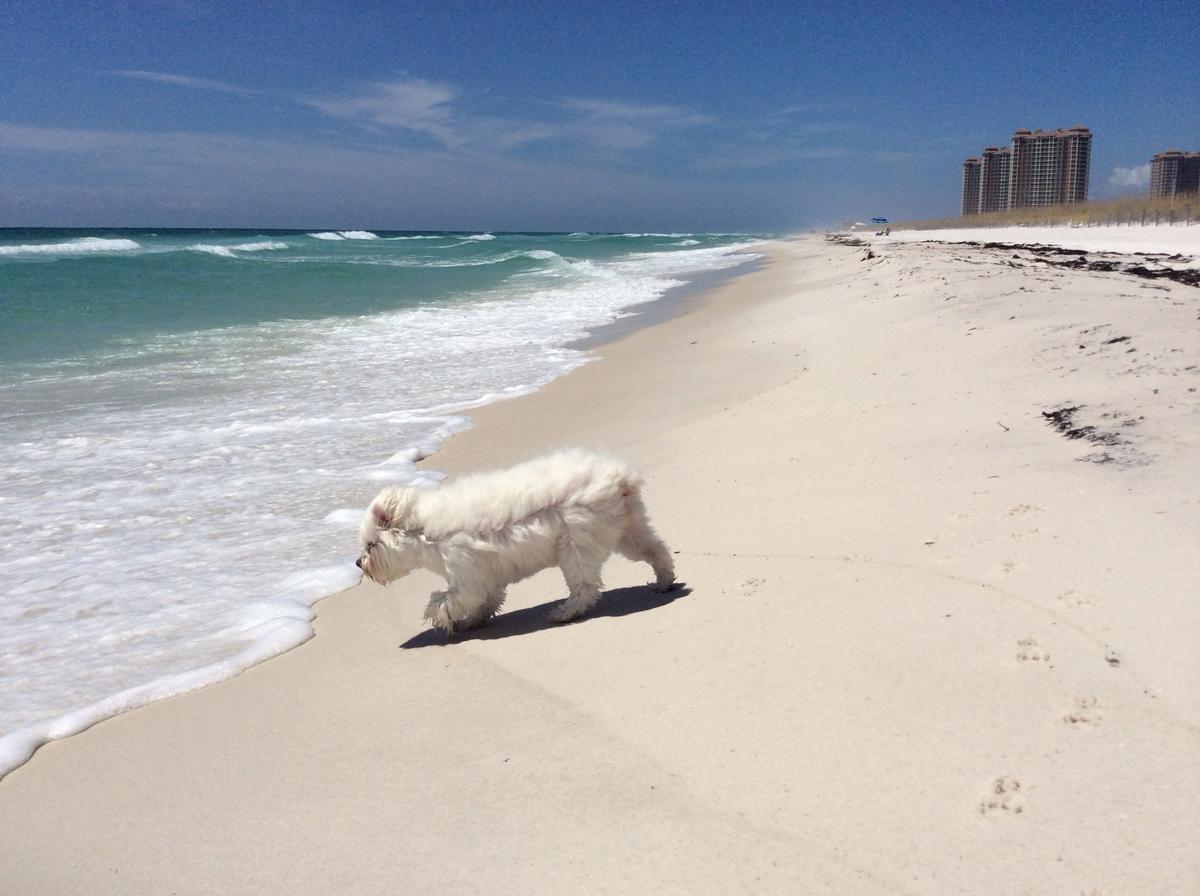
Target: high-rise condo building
[1050,167]
[1037,168]
[1174,172]
[970,187]
[994,175]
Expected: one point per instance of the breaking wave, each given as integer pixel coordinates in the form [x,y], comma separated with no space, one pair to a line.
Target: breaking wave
[344,235]
[228,251]
[73,247]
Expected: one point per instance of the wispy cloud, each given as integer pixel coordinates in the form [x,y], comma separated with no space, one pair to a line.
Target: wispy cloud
[412,105]
[67,140]
[441,110]
[749,158]
[186,81]
[437,109]
[804,108]
[658,116]
[626,126]
[1135,178]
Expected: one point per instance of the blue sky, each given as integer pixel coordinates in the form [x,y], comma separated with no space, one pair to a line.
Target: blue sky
[563,116]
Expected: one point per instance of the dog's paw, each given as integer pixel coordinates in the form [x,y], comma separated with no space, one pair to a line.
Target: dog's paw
[563,613]
[664,587]
[437,613]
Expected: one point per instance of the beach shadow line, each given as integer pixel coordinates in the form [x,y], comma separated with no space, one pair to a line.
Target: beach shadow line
[617,602]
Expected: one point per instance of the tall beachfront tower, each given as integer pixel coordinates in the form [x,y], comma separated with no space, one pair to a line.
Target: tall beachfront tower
[1037,168]
[1174,172]
[1050,167]
[970,187]
[995,173]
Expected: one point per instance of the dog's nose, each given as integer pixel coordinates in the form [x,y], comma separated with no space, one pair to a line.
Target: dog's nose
[358,562]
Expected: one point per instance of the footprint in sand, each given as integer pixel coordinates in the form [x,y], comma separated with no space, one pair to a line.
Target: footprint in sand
[1006,798]
[751,586]
[1030,651]
[1073,599]
[1086,712]
[1020,509]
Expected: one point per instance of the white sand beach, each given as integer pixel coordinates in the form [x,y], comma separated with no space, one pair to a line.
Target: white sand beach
[1166,239]
[937,516]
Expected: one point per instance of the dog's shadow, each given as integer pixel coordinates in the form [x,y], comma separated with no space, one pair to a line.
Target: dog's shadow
[617,602]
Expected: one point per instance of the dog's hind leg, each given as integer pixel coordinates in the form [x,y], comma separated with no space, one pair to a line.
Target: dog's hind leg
[581,568]
[494,602]
[641,542]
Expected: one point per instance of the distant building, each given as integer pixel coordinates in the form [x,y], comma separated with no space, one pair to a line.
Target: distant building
[996,170]
[1037,168]
[970,187]
[1174,172]
[1050,167]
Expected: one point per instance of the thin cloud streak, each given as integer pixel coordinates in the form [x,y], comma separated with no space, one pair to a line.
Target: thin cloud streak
[748,159]
[187,81]
[434,109]
[412,105]
[660,116]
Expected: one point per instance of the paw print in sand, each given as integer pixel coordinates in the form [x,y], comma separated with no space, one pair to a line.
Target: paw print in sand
[1086,712]
[1030,651]
[1021,509]
[1006,798]
[1071,599]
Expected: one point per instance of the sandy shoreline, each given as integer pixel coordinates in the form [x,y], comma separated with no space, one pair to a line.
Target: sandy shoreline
[925,647]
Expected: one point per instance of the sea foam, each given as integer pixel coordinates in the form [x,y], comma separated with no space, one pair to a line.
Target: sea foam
[80,246]
[344,235]
[230,251]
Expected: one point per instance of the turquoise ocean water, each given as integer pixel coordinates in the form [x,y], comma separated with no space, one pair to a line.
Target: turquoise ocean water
[191,422]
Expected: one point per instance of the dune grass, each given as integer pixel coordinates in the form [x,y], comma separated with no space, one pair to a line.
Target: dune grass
[1141,210]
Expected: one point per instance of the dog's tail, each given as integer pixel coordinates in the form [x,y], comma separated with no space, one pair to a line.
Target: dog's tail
[392,508]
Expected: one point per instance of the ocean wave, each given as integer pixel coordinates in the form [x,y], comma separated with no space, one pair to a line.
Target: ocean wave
[73,247]
[428,262]
[421,237]
[669,235]
[532,254]
[687,243]
[228,251]
[344,235]
[480,237]
[273,638]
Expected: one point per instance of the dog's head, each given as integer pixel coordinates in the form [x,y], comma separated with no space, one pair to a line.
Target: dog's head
[390,550]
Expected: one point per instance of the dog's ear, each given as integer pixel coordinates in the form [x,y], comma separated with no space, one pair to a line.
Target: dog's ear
[392,508]
[383,519]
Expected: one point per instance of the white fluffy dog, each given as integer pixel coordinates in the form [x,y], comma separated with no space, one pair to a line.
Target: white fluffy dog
[485,531]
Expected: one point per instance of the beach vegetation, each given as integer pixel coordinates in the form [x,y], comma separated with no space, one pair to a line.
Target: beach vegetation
[1127,210]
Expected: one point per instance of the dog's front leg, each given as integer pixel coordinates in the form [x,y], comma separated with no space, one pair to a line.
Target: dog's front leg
[439,611]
